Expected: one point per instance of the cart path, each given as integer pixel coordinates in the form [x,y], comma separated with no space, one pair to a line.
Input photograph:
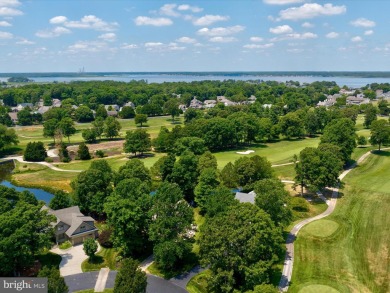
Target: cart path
[289,258]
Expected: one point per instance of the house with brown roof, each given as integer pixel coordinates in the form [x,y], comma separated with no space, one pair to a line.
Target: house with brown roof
[72,225]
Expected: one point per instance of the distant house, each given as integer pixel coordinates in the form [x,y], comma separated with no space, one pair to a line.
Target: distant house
[14,117]
[112,113]
[128,104]
[246,197]
[252,99]
[183,107]
[359,100]
[43,109]
[112,107]
[209,104]
[72,225]
[329,101]
[225,101]
[22,106]
[56,103]
[196,104]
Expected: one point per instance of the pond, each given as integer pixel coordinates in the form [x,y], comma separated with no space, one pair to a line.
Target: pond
[5,171]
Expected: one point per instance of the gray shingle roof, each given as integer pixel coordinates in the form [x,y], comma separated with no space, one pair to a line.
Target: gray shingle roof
[246,197]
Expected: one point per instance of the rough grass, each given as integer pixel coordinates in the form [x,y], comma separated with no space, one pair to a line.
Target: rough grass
[198,283]
[104,258]
[355,258]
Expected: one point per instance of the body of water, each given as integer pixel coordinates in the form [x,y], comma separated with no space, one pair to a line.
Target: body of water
[350,81]
[6,169]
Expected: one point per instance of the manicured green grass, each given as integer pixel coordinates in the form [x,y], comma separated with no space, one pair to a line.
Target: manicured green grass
[318,289]
[285,172]
[277,152]
[321,228]
[355,257]
[198,283]
[104,258]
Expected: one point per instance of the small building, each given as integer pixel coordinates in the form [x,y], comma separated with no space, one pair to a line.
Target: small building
[246,197]
[329,101]
[72,225]
[196,104]
[43,109]
[359,100]
[209,104]
[112,113]
[183,107]
[56,103]
[14,117]
[128,104]
[225,101]
[112,107]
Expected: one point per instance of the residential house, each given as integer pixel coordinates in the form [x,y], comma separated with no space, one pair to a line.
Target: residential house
[225,101]
[112,107]
[43,109]
[21,106]
[359,100]
[209,104]
[329,101]
[183,107]
[246,197]
[14,117]
[252,99]
[128,104]
[72,225]
[112,113]
[196,104]
[56,103]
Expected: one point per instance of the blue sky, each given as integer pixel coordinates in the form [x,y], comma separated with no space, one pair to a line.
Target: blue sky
[212,35]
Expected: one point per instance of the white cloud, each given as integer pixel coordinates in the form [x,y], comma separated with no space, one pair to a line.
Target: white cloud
[8,3]
[6,35]
[311,10]
[357,39]
[161,47]
[126,46]
[222,39]
[90,22]
[295,36]
[88,46]
[282,29]
[307,25]
[52,33]
[368,33]
[295,50]
[256,39]
[186,7]
[25,42]
[209,19]
[282,2]
[363,22]
[5,23]
[161,21]
[332,35]
[58,19]
[109,37]
[7,11]
[220,31]
[169,10]
[258,46]
[186,40]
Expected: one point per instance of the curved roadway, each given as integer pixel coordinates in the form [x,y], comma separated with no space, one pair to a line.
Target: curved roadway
[289,258]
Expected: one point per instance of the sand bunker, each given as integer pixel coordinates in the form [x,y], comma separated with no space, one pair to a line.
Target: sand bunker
[246,152]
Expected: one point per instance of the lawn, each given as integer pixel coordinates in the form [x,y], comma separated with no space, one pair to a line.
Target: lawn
[198,283]
[277,152]
[349,250]
[106,257]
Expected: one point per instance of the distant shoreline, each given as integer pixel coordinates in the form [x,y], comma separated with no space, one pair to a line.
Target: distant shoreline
[356,74]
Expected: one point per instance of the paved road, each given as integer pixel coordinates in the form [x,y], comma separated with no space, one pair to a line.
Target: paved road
[289,258]
[84,281]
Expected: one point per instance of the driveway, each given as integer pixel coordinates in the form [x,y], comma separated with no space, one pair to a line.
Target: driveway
[71,260]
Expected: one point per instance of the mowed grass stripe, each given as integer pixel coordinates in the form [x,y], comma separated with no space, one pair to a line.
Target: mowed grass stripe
[355,258]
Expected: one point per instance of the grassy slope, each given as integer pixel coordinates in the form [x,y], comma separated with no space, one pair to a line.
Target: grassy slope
[355,258]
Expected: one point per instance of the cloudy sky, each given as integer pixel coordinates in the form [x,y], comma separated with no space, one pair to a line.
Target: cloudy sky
[212,35]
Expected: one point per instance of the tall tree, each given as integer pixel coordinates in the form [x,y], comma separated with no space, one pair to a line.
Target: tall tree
[137,141]
[380,133]
[98,126]
[127,213]
[83,152]
[49,128]
[7,137]
[35,152]
[101,112]
[341,132]
[130,278]
[67,127]
[370,115]
[291,125]
[272,198]
[134,168]
[90,247]
[171,107]
[55,283]
[111,127]
[140,119]
[240,246]
[83,114]
[207,160]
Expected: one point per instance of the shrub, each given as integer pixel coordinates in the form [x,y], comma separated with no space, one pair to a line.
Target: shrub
[99,154]
[299,204]
[83,152]
[90,247]
[49,160]
[104,238]
[65,245]
[361,140]
[35,152]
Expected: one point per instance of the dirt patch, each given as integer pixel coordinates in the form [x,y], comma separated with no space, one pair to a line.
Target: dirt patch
[110,148]
[378,263]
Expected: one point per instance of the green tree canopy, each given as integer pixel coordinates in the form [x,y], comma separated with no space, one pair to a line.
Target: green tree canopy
[140,119]
[380,133]
[240,246]
[83,114]
[56,283]
[130,278]
[60,200]
[90,247]
[134,168]
[35,152]
[7,137]
[111,127]
[137,141]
